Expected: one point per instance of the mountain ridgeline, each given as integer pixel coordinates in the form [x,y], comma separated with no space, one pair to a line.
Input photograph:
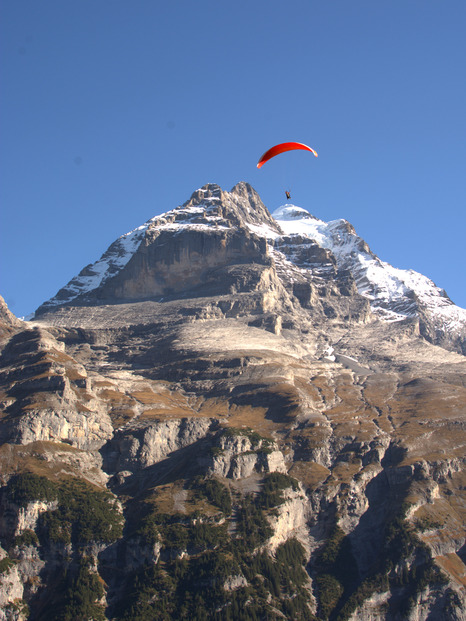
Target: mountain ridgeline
[233,415]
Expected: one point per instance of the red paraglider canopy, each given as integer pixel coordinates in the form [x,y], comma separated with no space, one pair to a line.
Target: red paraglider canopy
[281,148]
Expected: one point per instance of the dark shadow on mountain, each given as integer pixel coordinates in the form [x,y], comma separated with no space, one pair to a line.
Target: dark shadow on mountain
[168,470]
[385,494]
[462,553]
[280,400]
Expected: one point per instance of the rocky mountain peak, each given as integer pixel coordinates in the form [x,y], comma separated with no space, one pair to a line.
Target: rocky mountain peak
[239,207]
[135,265]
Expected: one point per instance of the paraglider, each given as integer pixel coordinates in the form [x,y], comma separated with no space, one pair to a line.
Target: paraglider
[281,148]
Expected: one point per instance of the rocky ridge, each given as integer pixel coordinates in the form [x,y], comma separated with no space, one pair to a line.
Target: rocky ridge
[256,432]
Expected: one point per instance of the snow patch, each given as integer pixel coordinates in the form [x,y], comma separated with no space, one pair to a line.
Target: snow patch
[111,262]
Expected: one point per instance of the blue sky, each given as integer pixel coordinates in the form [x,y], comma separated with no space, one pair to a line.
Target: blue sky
[115,111]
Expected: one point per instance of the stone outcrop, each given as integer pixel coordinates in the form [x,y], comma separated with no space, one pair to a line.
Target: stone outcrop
[9,324]
[292,520]
[52,392]
[136,448]
[236,455]
[11,595]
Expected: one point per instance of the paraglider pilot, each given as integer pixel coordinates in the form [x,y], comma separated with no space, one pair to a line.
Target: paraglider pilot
[288,195]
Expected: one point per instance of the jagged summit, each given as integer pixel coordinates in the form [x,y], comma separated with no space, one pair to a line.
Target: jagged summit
[240,206]
[218,242]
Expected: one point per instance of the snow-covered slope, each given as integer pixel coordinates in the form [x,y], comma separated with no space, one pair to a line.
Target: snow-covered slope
[109,264]
[394,293]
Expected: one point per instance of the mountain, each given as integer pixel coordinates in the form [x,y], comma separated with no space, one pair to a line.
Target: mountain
[235,415]
[294,236]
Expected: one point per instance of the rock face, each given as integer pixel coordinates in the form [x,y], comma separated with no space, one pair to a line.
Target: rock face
[233,415]
[202,246]
[8,322]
